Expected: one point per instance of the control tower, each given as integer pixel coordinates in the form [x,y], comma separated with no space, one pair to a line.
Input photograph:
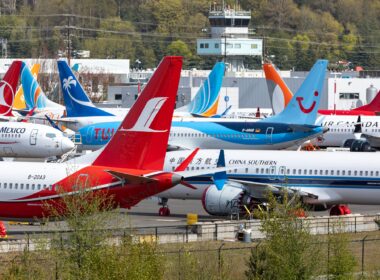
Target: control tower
[229,37]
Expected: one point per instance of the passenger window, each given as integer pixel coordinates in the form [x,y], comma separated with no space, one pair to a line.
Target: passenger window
[366,173]
[332,172]
[294,172]
[337,172]
[343,172]
[321,172]
[355,173]
[305,172]
[360,173]
[377,173]
[371,174]
[33,186]
[310,172]
[326,172]
[27,186]
[246,170]
[299,171]
[267,170]
[16,186]
[262,170]
[39,186]
[257,171]
[5,185]
[22,186]
[315,172]
[10,186]
[349,172]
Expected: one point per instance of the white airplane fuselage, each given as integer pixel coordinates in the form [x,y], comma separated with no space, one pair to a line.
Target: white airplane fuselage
[341,128]
[30,140]
[334,177]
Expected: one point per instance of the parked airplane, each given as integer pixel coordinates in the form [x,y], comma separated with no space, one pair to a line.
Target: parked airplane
[20,139]
[27,140]
[370,109]
[323,179]
[280,95]
[128,169]
[343,128]
[290,128]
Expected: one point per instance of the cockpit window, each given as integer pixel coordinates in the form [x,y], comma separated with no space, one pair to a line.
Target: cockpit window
[50,135]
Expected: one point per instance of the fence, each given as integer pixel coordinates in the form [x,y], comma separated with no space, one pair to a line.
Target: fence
[225,260]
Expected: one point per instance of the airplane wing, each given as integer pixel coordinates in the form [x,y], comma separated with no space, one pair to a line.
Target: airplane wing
[374,141]
[260,190]
[130,178]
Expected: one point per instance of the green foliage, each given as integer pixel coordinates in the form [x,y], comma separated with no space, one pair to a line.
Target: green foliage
[290,251]
[146,30]
[88,250]
[342,262]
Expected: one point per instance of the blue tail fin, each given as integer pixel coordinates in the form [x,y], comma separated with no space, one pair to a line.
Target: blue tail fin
[33,94]
[205,102]
[303,107]
[78,104]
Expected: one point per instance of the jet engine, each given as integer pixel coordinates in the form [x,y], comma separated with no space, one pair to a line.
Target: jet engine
[225,201]
[357,145]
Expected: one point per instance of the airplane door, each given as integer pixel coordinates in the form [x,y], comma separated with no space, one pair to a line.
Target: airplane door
[282,174]
[33,136]
[272,173]
[269,133]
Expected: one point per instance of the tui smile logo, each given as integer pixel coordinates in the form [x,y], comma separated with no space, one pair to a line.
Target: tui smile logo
[311,108]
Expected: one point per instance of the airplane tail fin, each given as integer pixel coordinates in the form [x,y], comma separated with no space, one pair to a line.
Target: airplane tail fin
[303,107]
[374,105]
[280,94]
[206,101]
[78,104]
[141,139]
[20,103]
[34,97]
[8,86]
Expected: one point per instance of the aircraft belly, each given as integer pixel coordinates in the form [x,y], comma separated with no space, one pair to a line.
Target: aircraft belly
[182,192]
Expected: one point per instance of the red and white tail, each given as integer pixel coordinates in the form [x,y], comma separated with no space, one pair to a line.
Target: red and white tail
[141,140]
[373,106]
[8,86]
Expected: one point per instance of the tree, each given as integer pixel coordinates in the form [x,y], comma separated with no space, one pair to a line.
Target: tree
[289,251]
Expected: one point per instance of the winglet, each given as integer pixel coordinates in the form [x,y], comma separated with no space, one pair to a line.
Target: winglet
[220,178]
[187,161]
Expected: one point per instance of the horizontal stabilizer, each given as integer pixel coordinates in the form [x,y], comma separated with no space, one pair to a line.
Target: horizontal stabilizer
[132,179]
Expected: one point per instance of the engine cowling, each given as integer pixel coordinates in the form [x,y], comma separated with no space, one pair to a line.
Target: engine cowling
[357,145]
[222,202]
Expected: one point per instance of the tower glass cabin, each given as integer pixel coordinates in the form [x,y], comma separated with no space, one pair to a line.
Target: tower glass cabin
[230,37]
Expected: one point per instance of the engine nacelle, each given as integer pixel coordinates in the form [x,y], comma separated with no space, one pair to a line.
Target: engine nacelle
[221,202]
[357,145]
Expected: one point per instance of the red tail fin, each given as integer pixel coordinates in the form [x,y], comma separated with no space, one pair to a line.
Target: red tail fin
[373,106]
[8,88]
[142,138]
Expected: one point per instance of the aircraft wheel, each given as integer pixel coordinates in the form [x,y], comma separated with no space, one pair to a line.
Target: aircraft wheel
[164,211]
[339,210]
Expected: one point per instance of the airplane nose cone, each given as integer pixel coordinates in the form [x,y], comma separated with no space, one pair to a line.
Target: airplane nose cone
[66,145]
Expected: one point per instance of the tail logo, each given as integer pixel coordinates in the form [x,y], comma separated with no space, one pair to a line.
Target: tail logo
[67,83]
[306,110]
[6,100]
[148,115]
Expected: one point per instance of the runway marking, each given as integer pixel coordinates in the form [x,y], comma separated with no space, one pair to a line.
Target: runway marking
[167,220]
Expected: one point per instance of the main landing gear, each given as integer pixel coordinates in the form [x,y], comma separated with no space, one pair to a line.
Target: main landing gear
[164,210]
[339,210]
